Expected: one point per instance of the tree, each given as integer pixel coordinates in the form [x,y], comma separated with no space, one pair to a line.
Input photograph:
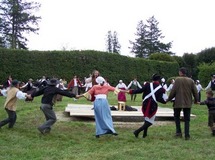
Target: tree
[139,47]
[206,56]
[2,45]
[16,20]
[190,64]
[115,43]
[148,39]
[179,60]
[112,42]
[109,42]
[205,71]
[153,37]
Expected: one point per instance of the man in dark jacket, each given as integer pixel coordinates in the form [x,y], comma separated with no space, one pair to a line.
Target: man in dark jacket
[183,90]
[49,94]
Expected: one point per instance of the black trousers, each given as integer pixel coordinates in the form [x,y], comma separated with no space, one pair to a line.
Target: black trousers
[186,112]
[199,96]
[11,120]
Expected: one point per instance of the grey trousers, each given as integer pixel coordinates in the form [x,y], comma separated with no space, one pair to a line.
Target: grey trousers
[49,115]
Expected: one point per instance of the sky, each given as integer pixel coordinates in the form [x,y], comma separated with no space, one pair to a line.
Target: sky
[83,24]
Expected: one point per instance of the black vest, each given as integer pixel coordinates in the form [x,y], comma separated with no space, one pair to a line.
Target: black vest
[213,85]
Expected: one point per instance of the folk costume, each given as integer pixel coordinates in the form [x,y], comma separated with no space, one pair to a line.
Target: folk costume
[199,89]
[134,85]
[92,80]
[12,93]
[152,93]
[28,88]
[74,85]
[121,95]
[48,100]
[103,119]
[210,102]
[211,84]
[7,83]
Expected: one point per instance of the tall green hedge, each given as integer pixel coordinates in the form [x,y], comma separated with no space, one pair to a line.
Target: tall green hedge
[22,65]
[205,71]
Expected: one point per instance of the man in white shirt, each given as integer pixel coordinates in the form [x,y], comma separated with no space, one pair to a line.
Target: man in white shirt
[12,93]
[134,85]
[211,84]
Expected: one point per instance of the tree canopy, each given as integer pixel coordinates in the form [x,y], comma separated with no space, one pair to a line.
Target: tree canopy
[16,20]
[148,39]
[112,42]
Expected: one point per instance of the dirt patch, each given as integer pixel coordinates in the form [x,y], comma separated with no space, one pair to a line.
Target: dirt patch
[138,124]
[63,116]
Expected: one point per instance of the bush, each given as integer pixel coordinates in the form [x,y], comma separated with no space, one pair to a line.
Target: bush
[205,71]
[22,65]
[161,57]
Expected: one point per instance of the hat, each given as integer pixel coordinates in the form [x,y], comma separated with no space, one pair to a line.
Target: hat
[14,82]
[197,81]
[120,81]
[30,79]
[100,80]
[156,77]
[52,82]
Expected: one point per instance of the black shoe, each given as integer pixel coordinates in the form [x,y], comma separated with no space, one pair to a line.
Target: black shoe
[40,130]
[115,134]
[45,131]
[187,138]
[213,133]
[109,132]
[136,134]
[97,136]
[178,135]
[144,135]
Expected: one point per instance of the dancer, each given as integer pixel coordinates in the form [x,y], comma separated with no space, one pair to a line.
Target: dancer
[121,95]
[48,100]
[103,119]
[12,93]
[199,89]
[135,85]
[210,102]
[152,93]
[92,79]
[183,90]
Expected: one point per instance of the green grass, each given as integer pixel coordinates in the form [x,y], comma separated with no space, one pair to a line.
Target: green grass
[75,139]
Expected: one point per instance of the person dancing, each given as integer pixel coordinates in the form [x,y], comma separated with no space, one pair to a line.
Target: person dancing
[152,93]
[103,119]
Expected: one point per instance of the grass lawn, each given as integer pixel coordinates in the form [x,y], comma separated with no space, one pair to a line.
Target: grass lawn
[76,140]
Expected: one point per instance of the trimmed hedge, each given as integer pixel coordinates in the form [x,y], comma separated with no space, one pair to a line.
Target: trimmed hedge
[205,71]
[22,65]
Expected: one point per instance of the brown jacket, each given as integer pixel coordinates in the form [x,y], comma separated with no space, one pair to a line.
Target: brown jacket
[183,90]
[11,99]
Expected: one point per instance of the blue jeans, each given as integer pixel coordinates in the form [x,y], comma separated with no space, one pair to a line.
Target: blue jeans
[186,112]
